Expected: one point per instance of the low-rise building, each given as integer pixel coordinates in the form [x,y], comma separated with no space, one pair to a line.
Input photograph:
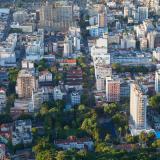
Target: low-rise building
[75,98]
[6,130]
[2,151]
[74,79]
[7,51]
[75,143]
[59,92]
[131,57]
[68,62]
[45,78]
[3,99]
[22,133]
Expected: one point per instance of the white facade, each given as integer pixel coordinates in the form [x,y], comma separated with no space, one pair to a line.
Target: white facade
[157,81]
[156,54]
[74,143]
[67,47]
[7,53]
[77,43]
[3,99]
[138,107]
[22,133]
[35,46]
[26,64]
[58,94]
[101,72]
[45,76]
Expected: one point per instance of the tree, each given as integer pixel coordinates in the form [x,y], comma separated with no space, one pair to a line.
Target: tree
[150,138]
[102,148]
[42,144]
[154,102]
[156,144]
[61,155]
[42,65]
[90,125]
[110,109]
[10,103]
[5,118]
[107,138]
[45,155]
[131,139]
[81,108]
[44,109]
[143,137]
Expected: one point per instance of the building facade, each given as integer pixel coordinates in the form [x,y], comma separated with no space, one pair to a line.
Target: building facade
[112,90]
[138,106]
[26,84]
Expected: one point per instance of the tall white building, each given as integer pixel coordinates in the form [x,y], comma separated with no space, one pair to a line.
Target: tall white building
[100,50]
[68,48]
[138,107]
[157,81]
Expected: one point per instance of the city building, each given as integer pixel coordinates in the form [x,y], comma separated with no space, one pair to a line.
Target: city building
[23,132]
[4,19]
[7,51]
[112,90]
[20,16]
[143,13]
[99,51]
[128,42]
[68,47]
[3,99]
[75,98]
[45,78]
[138,109]
[26,84]
[34,46]
[59,92]
[2,151]
[74,143]
[124,89]
[143,43]
[131,57]
[57,16]
[157,81]
[156,54]
[74,79]
[101,72]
